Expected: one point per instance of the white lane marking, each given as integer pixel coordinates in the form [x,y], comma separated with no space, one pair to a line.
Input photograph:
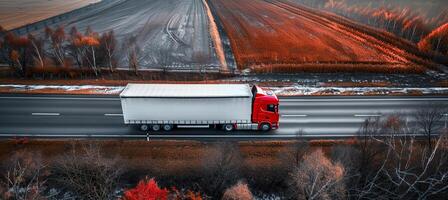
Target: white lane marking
[368,115]
[46,114]
[113,115]
[64,98]
[294,115]
[364,99]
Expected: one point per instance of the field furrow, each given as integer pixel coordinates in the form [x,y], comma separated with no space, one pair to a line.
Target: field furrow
[171,34]
[282,36]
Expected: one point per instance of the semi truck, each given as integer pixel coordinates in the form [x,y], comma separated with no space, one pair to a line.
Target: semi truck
[155,107]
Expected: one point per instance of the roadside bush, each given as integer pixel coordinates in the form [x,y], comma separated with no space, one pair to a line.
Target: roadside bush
[221,169]
[24,177]
[87,174]
[317,177]
[240,191]
[146,189]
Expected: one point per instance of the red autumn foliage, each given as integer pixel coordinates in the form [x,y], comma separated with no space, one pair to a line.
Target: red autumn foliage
[403,21]
[14,56]
[146,190]
[188,195]
[16,41]
[59,35]
[90,41]
[437,40]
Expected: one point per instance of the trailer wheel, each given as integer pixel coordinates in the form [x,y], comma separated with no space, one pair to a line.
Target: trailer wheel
[228,127]
[167,127]
[265,127]
[155,127]
[144,127]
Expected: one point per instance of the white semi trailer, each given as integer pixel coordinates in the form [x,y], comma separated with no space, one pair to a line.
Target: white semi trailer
[165,106]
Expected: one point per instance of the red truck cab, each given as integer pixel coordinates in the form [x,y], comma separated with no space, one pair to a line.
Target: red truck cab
[265,109]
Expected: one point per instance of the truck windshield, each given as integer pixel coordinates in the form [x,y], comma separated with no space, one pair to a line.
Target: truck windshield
[271,108]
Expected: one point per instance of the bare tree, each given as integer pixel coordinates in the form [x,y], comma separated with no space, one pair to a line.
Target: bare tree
[406,170]
[318,178]
[90,44]
[221,169]
[57,39]
[37,45]
[17,49]
[368,146]
[429,120]
[296,150]
[240,191]
[24,178]
[133,52]
[108,45]
[75,46]
[411,173]
[87,173]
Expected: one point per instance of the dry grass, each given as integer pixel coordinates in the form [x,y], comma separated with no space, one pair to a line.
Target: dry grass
[337,67]
[167,157]
[358,84]
[443,83]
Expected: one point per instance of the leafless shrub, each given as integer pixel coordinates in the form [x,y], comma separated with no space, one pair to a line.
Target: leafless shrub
[240,191]
[133,53]
[348,156]
[296,150]
[408,172]
[24,177]
[221,169]
[88,174]
[429,120]
[404,169]
[318,178]
[107,49]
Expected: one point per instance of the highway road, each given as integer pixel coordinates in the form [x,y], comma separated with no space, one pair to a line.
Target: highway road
[83,116]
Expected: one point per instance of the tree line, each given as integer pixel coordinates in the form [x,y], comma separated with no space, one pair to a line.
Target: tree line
[430,34]
[57,49]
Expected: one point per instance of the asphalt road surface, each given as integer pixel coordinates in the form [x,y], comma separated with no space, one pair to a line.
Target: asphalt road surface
[100,116]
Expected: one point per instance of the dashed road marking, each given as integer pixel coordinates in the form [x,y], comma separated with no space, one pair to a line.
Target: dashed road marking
[46,114]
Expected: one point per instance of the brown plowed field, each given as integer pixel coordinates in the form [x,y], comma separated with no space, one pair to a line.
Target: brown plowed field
[276,34]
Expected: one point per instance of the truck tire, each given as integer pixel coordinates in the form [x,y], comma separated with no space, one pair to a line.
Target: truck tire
[167,127]
[229,127]
[144,127]
[265,127]
[155,127]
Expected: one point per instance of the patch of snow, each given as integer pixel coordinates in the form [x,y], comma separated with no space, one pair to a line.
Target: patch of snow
[280,91]
[95,88]
[305,91]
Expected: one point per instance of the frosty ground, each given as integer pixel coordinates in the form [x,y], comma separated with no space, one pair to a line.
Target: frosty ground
[168,33]
[295,90]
